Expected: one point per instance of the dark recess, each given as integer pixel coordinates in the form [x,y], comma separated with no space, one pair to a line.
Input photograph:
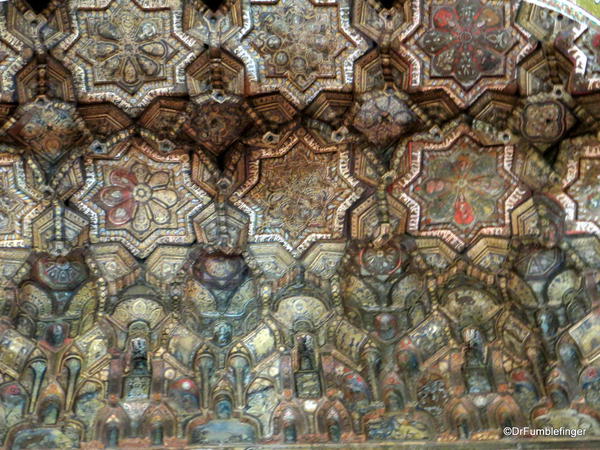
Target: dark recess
[387,3]
[38,5]
[213,4]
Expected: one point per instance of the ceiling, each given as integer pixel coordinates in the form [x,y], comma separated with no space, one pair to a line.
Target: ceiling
[298,222]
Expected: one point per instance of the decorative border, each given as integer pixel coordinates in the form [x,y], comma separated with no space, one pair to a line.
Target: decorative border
[13,165]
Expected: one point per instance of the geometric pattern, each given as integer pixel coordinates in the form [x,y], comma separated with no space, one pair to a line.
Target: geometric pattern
[120,52]
[11,58]
[582,49]
[580,183]
[298,48]
[20,203]
[297,207]
[140,198]
[464,47]
[314,223]
[457,189]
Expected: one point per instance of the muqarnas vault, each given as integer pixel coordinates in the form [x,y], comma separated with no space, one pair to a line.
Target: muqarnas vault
[328,222]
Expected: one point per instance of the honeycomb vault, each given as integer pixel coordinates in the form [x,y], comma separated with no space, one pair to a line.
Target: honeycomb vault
[298,223]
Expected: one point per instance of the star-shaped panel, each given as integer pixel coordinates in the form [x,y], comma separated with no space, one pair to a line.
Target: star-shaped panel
[581,44]
[299,47]
[12,58]
[140,198]
[464,46]
[581,196]
[457,188]
[19,203]
[126,52]
[297,193]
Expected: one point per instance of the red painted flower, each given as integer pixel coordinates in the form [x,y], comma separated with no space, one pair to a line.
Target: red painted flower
[138,196]
[13,389]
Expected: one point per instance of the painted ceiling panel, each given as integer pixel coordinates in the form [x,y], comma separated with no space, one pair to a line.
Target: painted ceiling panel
[328,223]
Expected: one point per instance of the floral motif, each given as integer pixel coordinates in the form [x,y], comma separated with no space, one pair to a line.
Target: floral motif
[60,274]
[457,189]
[468,41]
[296,201]
[141,198]
[296,255]
[304,199]
[120,46]
[297,41]
[381,261]
[465,47]
[138,196]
